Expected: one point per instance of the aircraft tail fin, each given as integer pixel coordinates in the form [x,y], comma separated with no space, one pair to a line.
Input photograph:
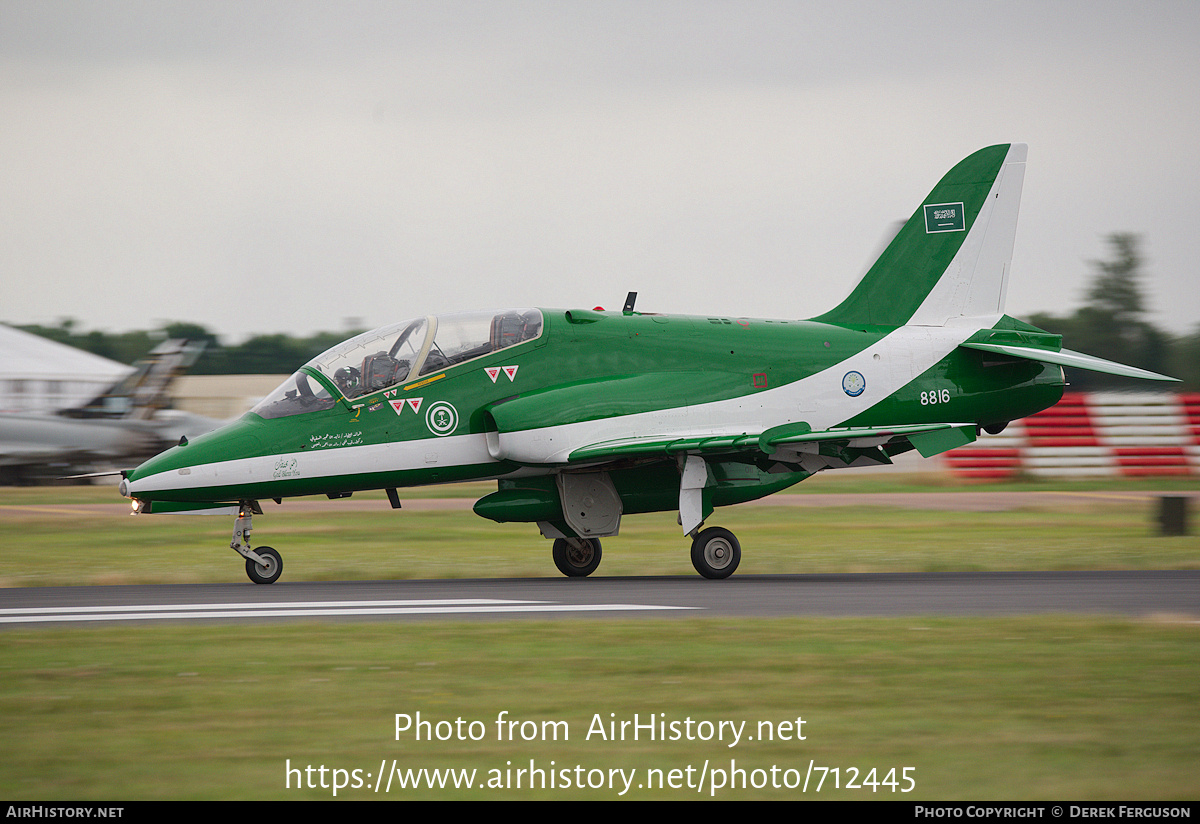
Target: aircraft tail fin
[147,389]
[951,259]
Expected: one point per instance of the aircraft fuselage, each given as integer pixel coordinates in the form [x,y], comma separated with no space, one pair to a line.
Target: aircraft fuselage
[594,377]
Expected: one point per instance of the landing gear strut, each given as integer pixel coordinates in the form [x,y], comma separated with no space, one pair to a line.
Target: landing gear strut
[264,565]
[716,553]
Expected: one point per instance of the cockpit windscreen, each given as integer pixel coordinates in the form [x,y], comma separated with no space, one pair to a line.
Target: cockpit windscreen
[399,352]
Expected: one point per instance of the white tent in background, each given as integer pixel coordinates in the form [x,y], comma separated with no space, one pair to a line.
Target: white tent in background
[41,375]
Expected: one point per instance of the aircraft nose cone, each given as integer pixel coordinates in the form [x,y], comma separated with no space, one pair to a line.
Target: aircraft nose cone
[123,488]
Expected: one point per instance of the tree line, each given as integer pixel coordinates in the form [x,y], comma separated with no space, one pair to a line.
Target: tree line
[1112,323]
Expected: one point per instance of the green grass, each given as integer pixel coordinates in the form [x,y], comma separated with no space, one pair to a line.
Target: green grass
[53,544]
[1018,708]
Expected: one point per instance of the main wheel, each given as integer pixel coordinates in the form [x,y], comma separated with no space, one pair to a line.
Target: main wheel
[271,572]
[716,553]
[577,557]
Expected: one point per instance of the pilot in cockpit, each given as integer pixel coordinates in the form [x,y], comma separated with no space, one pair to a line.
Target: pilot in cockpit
[378,371]
[349,381]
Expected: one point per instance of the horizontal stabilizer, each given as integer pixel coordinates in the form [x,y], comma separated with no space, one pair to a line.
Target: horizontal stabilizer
[1068,358]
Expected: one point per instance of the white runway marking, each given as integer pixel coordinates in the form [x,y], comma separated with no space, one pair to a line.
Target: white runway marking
[301,609]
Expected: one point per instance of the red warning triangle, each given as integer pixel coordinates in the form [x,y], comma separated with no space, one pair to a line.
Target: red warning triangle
[415,403]
[511,371]
[493,372]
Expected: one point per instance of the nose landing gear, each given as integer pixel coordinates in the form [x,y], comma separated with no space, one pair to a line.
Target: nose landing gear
[264,565]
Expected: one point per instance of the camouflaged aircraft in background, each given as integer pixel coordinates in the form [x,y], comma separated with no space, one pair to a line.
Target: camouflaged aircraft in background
[584,416]
[129,421]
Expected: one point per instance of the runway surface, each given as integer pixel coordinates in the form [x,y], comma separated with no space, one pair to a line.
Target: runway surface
[1128,593]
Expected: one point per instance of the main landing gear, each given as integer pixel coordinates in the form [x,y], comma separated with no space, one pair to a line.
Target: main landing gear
[264,565]
[716,553]
[576,557]
[591,505]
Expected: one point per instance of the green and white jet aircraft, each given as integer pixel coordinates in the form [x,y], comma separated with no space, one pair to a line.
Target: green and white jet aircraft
[583,416]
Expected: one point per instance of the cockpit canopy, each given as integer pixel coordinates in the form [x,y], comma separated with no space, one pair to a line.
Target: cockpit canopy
[397,353]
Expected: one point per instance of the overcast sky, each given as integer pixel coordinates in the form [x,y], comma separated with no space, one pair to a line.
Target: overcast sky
[287,166]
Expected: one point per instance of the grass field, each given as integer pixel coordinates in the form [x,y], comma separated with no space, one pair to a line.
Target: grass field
[1045,707]
[1023,708]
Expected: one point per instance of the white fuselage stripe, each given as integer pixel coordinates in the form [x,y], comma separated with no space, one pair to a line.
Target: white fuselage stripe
[427,453]
[819,400]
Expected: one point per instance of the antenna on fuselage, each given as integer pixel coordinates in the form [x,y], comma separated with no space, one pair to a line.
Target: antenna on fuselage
[629,301]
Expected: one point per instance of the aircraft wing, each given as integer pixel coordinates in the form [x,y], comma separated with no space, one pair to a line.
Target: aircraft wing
[650,447]
[1066,357]
[929,439]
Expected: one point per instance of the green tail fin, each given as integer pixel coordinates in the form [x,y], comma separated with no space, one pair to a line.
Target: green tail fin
[952,257]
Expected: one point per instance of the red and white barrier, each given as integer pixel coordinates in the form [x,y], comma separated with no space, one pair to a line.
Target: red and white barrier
[1101,434]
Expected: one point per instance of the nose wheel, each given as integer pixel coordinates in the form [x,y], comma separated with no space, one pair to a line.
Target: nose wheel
[716,553]
[267,573]
[263,565]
